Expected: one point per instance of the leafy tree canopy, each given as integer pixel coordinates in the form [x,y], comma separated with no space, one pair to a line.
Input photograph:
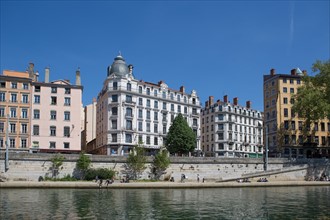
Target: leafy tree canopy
[313,97]
[83,164]
[160,163]
[180,138]
[136,162]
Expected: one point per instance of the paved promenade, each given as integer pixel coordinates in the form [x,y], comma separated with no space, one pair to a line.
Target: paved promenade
[156,185]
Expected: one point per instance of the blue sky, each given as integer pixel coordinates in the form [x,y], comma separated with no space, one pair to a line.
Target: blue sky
[213,47]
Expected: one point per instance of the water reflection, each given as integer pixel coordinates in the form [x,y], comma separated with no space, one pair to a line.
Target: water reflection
[224,203]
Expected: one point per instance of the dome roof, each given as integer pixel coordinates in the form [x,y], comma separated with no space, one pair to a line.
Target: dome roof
[118,67]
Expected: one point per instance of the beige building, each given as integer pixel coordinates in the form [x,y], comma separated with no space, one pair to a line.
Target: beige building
[284,128]
[43,116]
[89,128]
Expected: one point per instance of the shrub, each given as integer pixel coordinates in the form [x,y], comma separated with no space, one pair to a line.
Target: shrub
[101,173]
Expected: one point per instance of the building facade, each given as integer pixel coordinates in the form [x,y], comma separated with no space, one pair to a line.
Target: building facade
[131,111]
[231,130]
[284,129]
[43,116]
[89,128]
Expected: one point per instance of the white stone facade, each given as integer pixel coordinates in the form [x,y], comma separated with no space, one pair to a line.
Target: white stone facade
[231,130]
[130,111]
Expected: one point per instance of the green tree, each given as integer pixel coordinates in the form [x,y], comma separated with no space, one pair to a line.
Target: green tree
[83,164]
[313,97]
[160,163]
[180,138]
[136,162]
[57,162]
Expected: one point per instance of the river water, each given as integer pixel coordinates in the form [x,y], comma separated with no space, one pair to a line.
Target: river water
[222,203]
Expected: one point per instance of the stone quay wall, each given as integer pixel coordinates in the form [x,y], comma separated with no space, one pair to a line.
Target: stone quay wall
[30,166]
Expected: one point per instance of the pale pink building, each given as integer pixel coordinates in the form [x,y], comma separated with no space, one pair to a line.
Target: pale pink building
[56,115]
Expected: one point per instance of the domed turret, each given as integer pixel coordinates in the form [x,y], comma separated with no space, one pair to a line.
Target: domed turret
[118,67]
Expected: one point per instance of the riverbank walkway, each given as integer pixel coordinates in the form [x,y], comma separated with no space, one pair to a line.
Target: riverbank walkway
[156,185]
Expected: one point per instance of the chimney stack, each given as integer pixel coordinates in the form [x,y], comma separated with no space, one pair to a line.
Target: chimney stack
[235,100]
[211,100]
[47,75]
[248,104]
[36,76]
[225,99]
[31,70]
[182,89]
[293,72]
[272,72]
[78,81]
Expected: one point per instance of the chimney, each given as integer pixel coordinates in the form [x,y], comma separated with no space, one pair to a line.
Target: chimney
[235,100]
[272,72]
[94,100]
[248,104]
[78,81]
[293,72]
[304,73]
[182,89]
[31,70]
[36,76]
[130,67]
[211,100]
[225,99]
[47,75]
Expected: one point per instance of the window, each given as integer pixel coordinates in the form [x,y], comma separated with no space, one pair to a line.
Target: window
[164,95]
[140,89]
[35,129]
[155,141]
[220,127]
[155,92]
[114,111]
[298,81]
[148,114]
[291,81]
[14,85]
[23,128]
[114,137]
[128,98]
[2,84]
[13,97]
[140,101]
[156,103]
[128,138]
[129,112]
[2,97]
[25,98]
[285,100]
[52,144]
[148,127]
[114,85]
[286,112]
[220,117]
[67,91]
[322,126]
[2,127]
[179,108]
[36,99]
[13,112]
[12,128]
[164,117]
[178,98]
[52,115]
[220,136]
[164,105]
[53,100]
[1,142]
[300,125]
[67,101]
[2,112]
[52,131]
[155,128]
[66,145]
[129,125]
[23,143]
[148,103]
[25,86]
[66,131]
[148,91]
[67,116]
[194,122]
[140,113]
[148,140]
[285,90]
[114,98]
[172,107]
[172,96]
[185,110]
[37,89]
[291,90]
[284,80]
[54,90]
[164,129]
[140,126]
[286,125]
[12,142]
[114,124]
[129,87]
[293,125]
[156,116]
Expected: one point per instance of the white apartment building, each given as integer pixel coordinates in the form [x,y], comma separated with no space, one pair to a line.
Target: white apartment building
[231,130]
[130,111]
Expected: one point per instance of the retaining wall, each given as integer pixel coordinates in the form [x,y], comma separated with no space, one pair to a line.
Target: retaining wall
[29,167]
